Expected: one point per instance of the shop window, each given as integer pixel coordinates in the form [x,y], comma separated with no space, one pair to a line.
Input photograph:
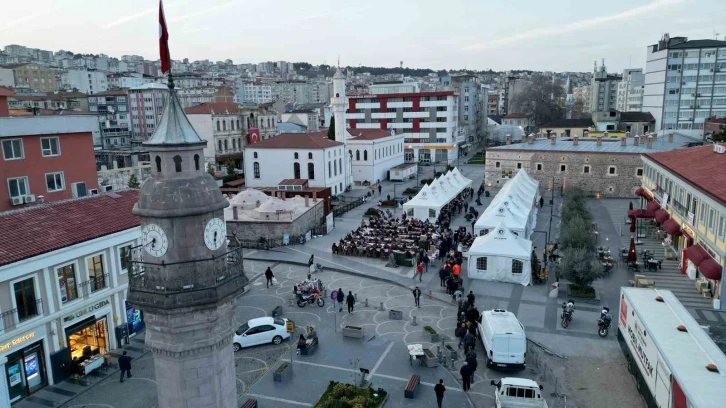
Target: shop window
[481,263]
[26,303]
[67,283]
[25,370]
[87,341]
[96,276]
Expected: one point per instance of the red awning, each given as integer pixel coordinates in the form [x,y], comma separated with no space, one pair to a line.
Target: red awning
[671,226]
[653,206]
[640,192]
[710,269]
[662,215]
[697,254]
[641,214]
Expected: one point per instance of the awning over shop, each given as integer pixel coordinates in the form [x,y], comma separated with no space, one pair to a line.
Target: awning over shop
[640,192]
[697,254]
[662,215]
[671,226]
[653,206]
[641,214]
[710,269]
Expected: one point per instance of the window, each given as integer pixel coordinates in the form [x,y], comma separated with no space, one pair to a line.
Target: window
[219,126]
[639,172]
[296,170]
[67,283]
[311,171]
[519,165]
[196,162]
[234,144]
[432,213]
[254,155]
[517,266]
[612,171]
[158,164]
[96,276]
[711,219]
[219,144]
[256,169]
[226,145]
[50,146]
[18,186]
[310,156]
[54,182]
[330,171]
[539,166]
[13,149]
[702,214]
[563,168]
[497,164]
[365,155]
[357,155]
[124,254]
[177,163]
[721,227]
[481,263]
[25,300]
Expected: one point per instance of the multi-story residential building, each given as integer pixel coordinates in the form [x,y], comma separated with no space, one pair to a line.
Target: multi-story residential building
[630,90]
[186,80]
[517,119]
[688,185]
[86,81]
[113,110]
[581,101]
[129,80]
[428,121]
[7,78]
[467,88]
[493,104]
[206,94]
[603,89]
[300,92]
[46,158]
[310,156]
[146,106]
[63,291]
[220,124]
[513,87]
[253,92]
[74,101]
[685,83]
[34,77]
[308,120]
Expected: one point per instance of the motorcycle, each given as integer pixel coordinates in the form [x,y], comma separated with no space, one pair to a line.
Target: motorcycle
[304,300]
[567,310]
[603,324]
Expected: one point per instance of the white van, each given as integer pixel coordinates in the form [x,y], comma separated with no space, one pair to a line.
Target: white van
[518,393]
[505,344]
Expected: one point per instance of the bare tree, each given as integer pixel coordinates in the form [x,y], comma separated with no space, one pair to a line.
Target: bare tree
[539,101]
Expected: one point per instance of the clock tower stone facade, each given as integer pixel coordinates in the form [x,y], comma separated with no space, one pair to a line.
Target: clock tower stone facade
[184,277]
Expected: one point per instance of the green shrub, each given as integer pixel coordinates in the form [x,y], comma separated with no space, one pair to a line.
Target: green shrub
[411,190]
[429,329]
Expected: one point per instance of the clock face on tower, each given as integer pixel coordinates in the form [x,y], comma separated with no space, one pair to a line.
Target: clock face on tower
[215,233]
[154,240]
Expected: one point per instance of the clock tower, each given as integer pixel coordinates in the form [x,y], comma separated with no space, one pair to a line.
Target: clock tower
[184,277]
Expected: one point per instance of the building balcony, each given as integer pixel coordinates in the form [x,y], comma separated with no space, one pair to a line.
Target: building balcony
[13,317]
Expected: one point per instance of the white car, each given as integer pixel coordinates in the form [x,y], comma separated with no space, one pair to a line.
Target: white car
[262,330]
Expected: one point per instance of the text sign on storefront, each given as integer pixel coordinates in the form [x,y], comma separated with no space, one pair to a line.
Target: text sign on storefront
[17,341]
[85,310]
[688,230]
[691,216]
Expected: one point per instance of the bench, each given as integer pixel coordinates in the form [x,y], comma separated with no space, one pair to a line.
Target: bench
[277,311]
[311,345]
[250,403]
[411,386]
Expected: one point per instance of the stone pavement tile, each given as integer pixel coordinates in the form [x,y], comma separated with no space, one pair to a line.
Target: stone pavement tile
[499,290]
[537,293]
[531,315]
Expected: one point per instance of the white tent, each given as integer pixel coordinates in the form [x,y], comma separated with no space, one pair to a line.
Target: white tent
[460,177]
[501,256]
[533,185]
[426,205]
[503,211]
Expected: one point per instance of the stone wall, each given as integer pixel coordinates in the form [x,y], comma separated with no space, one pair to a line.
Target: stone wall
[544,166]
[251,230]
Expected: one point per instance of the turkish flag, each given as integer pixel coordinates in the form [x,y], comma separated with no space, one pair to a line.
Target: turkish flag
[253,135]
[163,41]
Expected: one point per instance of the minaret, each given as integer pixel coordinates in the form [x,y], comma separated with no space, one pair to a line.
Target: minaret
[188,281]
[339,103]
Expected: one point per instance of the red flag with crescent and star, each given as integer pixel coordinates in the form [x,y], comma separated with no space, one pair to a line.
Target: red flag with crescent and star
[163,41]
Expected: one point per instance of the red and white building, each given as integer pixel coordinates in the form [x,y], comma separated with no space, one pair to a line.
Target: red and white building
[427,120]
[146,104]
[45,158]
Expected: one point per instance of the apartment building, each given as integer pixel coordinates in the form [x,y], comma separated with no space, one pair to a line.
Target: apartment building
[204,94]
[113,110]
[34,77]
[630,90]
[603,89]
[470,109]
[685,83]
[253,92]
[86,81]
[146,106]
[129,80]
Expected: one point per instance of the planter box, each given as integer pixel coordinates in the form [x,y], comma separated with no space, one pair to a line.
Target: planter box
[280,375]
[435,337]
[430,359]
[353,331]
[594,300]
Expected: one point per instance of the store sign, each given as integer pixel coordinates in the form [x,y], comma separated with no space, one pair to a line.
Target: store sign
[691,217]
[17,341]
[688,230]
[86,310]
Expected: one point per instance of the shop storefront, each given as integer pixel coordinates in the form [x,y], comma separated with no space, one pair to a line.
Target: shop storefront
[87,337]
[25,369]
[135,319]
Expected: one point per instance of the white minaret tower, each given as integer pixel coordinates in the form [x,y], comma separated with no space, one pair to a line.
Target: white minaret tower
[339,103]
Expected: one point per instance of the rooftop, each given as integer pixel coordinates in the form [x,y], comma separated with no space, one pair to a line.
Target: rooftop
[636,117]
[403,95]
[112,92]
[314,140]
[59,122]
[48,227]
[700,166]
[213,107]
[368,134]
[609,145]
[516,116]
[570,123]
[699,44]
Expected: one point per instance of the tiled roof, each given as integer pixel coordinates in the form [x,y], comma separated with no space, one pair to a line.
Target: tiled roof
[636,117]
[368,134]
[314,140]
[216,107]
[516,116]
[569,123]
[700,166]
[48,227]
[6,91]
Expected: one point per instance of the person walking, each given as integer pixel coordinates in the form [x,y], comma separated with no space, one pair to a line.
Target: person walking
[351,301]
[470,298]
[466,373]
[472,225]
[269,276]
[426,261]
[419,271]
[439,389]
[442,276]
[456,269]
[311,260]
[124,364]
[541,202]
[471,362]
[469,340]
[340,298]
[417,296]
[460,333]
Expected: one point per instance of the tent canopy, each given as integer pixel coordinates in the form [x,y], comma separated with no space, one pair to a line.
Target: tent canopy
[433,197]
[501,256]
[502,211]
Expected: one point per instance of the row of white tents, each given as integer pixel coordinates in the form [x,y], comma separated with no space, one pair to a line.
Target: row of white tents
[502,252]
[429,201]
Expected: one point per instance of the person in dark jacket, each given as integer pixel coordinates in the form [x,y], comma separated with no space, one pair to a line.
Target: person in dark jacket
[351,301]
[311,260]
[124,364]
[442,277]
[471,362]
[466,374]
[340,298]
[439,389]
[269,276]
[417,296]
[470,298]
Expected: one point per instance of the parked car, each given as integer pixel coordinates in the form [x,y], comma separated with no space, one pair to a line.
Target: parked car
[262,330]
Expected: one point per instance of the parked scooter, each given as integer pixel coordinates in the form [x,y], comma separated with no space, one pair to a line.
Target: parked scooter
[603,324]
[568,309]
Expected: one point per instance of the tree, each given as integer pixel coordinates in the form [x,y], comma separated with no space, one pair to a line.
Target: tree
[134,181]
[579,267]
[576,234]
[210,169]
[719,137]
[230,167]
[331,129]
[539,101]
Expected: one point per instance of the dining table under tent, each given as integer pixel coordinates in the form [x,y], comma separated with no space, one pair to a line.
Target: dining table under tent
[500,256]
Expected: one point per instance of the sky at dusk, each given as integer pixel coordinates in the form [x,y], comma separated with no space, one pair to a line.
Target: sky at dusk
[557,35]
